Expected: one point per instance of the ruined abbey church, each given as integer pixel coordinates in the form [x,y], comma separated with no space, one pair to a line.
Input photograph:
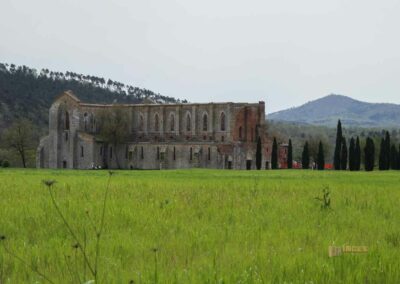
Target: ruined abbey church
[158,136]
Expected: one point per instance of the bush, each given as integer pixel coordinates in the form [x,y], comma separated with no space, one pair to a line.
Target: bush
[5,164]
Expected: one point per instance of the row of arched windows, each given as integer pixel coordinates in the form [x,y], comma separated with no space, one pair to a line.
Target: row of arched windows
[89,120]
[188,122]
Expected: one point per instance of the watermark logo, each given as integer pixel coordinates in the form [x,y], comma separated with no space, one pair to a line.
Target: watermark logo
[337,251]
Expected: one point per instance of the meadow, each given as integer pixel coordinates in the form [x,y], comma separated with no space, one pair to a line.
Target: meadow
[201,226]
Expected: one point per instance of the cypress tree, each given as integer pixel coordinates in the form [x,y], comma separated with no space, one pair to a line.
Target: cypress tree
[338,147]
[274,158]
[343,156]
[382,155]
[369,152]
[305,157]
[290,155]
[398,159]
[357,155]
[321,157]
[387,151]
[352,156]
[258,154]
[393,158]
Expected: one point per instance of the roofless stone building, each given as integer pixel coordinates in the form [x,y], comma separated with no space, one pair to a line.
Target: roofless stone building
[158,136]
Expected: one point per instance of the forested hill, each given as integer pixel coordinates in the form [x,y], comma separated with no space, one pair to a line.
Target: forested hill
[327,110]
[28,93]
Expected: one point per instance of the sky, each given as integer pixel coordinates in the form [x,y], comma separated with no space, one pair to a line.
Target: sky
[284,52]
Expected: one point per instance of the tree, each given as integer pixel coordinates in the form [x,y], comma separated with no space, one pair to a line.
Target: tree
[343,155]
[357,156]
[387,151]
[369,152]
[382,155]
[290,155]
[113,123]
[258,153]
[274,155]
[398,159]
[393,158]
[352,158]
[338,147]
[321,158]
[305,157]
[20,137]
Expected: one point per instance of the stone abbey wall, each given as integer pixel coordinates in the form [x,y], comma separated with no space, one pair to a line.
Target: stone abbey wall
[158,136]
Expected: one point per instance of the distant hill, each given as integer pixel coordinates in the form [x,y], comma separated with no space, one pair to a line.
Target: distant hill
[28,93]
[327,110]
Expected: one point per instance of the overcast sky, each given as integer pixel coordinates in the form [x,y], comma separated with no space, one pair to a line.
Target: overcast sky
[283,52]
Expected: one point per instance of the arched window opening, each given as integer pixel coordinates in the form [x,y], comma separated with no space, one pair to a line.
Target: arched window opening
[82,153]
[94,124]
[191,154]
[172,122]
[222,121]
[188,123]
[156,123]
[205,122]
[141,123]
[85,120]
[240,132]
[66,120]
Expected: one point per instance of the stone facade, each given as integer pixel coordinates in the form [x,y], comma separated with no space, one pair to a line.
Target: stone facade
[160,136]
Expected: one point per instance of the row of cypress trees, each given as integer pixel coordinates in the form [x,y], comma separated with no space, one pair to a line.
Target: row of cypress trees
[389,156]
[344,157]
[305,157]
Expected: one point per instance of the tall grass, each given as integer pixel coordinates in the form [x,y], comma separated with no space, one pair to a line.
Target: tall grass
[203,226]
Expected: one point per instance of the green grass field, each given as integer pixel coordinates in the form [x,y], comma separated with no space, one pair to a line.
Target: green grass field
[202,226]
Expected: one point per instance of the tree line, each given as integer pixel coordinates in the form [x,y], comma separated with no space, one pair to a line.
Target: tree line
[351,157]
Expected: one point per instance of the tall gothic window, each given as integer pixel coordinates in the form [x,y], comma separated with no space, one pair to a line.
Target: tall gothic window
[172,122]
[156,123]
[66,120]
[93,121]
[205,122]
[240,132]
[188,123]
[222,121]
[141,123]
[85,120]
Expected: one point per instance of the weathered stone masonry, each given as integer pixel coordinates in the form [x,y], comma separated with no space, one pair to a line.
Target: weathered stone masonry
[161,136]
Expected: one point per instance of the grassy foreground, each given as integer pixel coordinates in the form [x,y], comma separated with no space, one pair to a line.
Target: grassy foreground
[202,226]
